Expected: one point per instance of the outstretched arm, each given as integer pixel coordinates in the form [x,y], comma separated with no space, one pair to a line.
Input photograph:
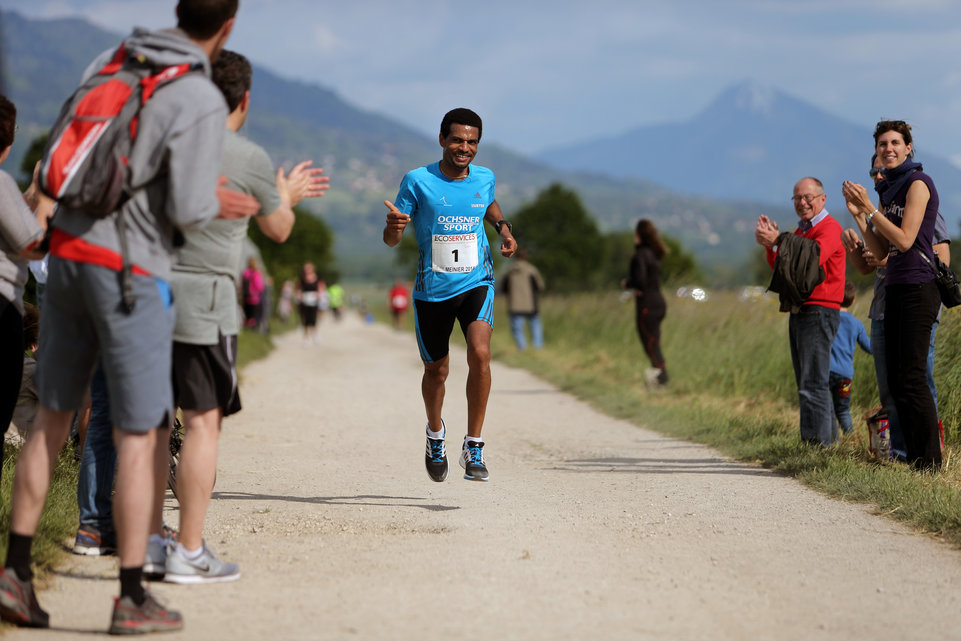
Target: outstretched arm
[302,182]
[396,223]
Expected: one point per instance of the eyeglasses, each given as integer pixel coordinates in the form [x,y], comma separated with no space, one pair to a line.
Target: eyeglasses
[874,173]
[808,198]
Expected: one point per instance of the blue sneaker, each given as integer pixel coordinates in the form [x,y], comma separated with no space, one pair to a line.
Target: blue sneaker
[472,460]
[92,541]
[435,459]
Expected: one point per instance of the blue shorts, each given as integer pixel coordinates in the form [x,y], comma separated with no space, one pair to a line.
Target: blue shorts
[83,319]
[434,321]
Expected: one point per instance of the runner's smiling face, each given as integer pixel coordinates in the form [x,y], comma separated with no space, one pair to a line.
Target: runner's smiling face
[460,147]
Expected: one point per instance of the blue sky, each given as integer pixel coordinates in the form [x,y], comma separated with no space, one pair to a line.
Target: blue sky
[544,73]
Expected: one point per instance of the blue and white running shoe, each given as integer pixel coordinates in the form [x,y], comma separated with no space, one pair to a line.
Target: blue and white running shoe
[435,459]
[472,460]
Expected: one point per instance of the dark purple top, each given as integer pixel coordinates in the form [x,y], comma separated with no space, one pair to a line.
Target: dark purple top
[907,268]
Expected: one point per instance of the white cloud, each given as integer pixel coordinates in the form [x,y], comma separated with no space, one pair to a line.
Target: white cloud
[325,40]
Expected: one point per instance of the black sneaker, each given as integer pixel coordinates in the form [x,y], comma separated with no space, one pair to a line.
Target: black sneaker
[18,602]
[91,541]
[472,460]
[150,616]
[435,458]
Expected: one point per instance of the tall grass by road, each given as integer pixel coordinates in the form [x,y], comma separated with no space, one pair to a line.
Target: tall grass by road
[732,387]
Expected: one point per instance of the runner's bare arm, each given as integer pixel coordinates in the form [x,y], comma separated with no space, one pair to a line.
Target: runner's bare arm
[396,223]
[493,216]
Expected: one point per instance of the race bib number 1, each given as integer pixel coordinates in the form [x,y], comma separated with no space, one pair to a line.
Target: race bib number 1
[454,253]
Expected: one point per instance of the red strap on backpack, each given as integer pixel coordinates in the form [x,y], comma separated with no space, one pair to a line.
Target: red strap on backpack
[149,84]
[115,63]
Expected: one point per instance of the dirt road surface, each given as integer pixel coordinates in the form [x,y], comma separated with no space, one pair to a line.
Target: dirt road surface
[589,528]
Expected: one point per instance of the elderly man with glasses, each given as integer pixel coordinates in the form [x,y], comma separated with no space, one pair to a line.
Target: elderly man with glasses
[813,326]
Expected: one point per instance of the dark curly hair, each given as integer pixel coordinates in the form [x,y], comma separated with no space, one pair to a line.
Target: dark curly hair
[233,75]
[461,116]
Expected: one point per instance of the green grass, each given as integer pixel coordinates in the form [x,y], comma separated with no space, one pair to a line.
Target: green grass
[58,524]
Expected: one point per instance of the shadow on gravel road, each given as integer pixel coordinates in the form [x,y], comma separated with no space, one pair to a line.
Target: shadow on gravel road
[660,466]
[361,499]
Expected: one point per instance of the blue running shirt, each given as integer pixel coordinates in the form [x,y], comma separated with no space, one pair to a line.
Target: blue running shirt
[448,218]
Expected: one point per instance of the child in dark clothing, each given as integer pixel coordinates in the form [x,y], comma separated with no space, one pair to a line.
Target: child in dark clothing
[851,333]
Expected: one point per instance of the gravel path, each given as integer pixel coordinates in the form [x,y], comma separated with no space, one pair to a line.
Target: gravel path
[589,528]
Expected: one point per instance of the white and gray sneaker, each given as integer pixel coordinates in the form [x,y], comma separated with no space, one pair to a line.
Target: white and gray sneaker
[472,460]
[435,457]
[154,566]
[206,568]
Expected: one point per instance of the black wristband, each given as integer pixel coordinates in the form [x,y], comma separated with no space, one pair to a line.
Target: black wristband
[500,223]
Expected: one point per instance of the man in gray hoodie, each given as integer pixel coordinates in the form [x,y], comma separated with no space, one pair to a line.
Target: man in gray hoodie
[175,163]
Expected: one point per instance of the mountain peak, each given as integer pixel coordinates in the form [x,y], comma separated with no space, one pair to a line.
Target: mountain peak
[748,97]
[755,98]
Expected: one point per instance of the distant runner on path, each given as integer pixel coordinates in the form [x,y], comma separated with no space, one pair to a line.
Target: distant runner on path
[455,279]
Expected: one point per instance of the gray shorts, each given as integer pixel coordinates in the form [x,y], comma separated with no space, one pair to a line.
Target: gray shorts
[83,319]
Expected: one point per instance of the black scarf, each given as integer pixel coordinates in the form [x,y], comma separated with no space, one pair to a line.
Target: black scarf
[895,179]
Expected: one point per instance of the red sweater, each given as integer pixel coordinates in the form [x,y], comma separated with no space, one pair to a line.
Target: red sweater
[827,234]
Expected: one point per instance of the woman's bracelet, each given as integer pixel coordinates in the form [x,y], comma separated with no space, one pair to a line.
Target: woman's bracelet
[871,215]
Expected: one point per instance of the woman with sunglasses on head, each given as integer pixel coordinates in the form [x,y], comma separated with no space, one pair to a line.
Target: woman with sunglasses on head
[901,227]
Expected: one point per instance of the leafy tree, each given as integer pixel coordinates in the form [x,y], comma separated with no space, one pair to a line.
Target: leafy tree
[680,265]
[311,240]
[619,249]
[562,239]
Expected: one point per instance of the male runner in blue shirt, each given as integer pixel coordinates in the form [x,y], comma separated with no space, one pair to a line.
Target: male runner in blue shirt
[448,202]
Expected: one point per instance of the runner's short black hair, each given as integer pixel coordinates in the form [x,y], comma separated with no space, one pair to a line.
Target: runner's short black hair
[233,75]
[461,116]
[202,19]
[8,122]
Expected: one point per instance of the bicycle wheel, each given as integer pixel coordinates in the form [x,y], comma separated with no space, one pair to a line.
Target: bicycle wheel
[176,443]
